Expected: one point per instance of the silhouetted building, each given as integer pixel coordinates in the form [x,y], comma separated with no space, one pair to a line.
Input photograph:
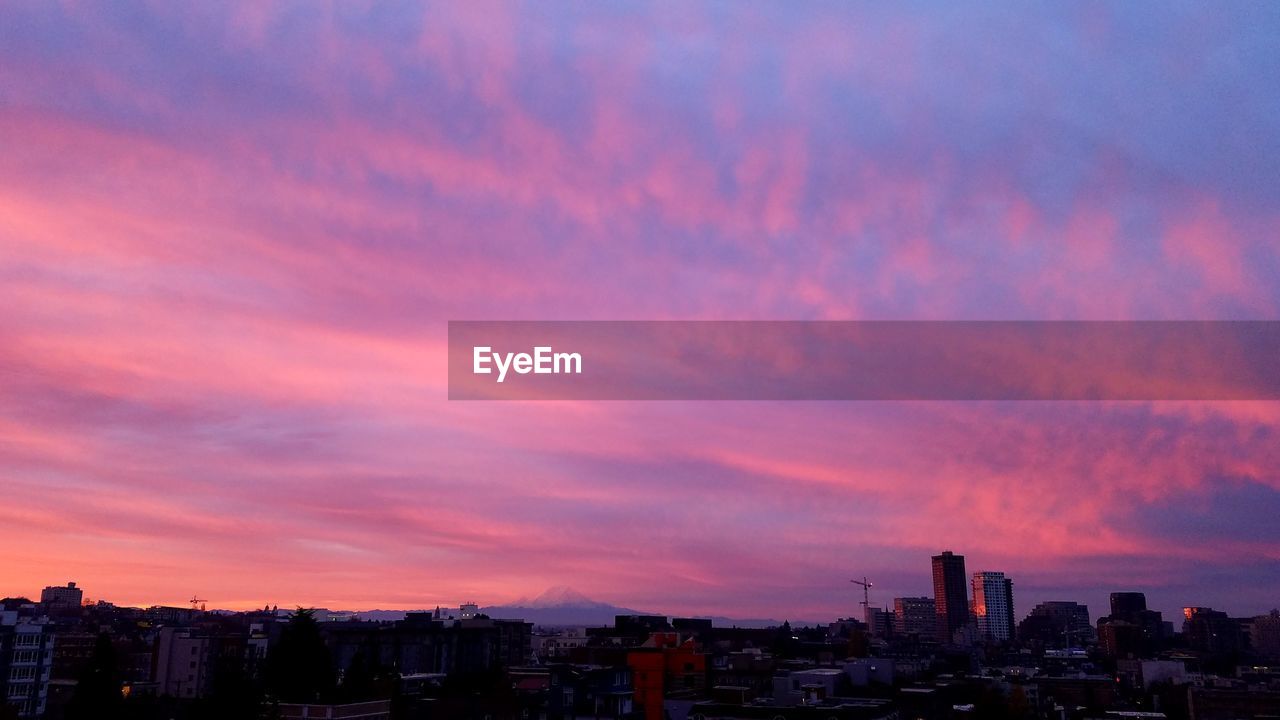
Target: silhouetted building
[1120,639]
[915,616]
[1264,636]
[993,605]
[951,602]
[697,627]
[1138,632]
[578,691]
[71,652]
[184,662]
[1127,605]
[880,622]
[1093,693]
[1211,632]
[1056,624]
[62,596]
[639,626]
[422,644]
[1230,704]
[26,656]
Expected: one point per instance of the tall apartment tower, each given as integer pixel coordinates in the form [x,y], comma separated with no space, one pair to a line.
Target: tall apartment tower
[950,598]
[993,605]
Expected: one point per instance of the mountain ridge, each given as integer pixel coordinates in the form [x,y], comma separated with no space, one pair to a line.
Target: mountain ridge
[563,606]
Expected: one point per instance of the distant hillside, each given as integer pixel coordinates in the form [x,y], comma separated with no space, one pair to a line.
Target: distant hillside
[564,606]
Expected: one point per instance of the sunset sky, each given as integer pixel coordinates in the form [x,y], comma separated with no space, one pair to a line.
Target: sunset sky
[231,237]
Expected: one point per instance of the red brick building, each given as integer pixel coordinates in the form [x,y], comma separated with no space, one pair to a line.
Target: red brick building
[663,665]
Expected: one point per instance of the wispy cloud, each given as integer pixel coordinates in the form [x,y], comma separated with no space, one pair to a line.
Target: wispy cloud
[230,238]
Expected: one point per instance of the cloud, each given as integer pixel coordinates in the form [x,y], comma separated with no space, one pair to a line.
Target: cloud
[230,239]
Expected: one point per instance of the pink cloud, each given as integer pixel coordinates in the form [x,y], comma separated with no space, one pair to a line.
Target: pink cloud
[222,358]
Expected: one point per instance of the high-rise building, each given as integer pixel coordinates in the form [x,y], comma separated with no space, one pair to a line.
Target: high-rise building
[915,616]
[993,605]
[1211,632]
[1136,631]
[1128,606]
[951,600]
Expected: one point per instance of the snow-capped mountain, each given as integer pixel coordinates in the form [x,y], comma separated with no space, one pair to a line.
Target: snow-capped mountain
[564,606]
[560,605]
[557,597]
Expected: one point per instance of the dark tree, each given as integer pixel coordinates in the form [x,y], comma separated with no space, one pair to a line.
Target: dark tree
[785,643]
[358,680]
[234,693]
[299,667]
[97,695]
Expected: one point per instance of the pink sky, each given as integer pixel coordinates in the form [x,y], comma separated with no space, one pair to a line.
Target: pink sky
[230,238]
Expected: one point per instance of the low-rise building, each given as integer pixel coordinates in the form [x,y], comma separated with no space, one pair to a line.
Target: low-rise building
[26,661]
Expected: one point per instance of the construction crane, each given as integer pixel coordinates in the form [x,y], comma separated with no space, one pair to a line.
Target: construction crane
[197,603]
[866,596]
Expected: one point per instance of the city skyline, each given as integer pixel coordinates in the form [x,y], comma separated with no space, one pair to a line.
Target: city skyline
[231,238]
[567,596]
